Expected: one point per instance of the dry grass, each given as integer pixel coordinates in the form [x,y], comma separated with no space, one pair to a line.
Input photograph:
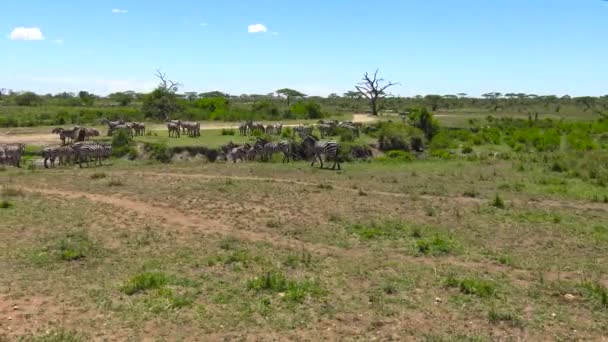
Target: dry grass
[289,252]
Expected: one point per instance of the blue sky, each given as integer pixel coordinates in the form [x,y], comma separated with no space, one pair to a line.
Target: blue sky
[315,46]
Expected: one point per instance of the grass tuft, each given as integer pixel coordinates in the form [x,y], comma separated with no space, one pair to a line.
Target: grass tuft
[473,286]
[144,282]
[98,175]
[4,204]
[498,202]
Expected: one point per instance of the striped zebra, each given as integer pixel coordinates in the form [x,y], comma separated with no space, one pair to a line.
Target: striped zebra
[11,154]
[326,130]
[302,131]
[122,127]
[67,135]
[86,151]
[351,127]
[174,129]
[63,153]
[112,125]
[138,127]
[269,148]
[193,129]
[243,128]
[252,126]
[319,148]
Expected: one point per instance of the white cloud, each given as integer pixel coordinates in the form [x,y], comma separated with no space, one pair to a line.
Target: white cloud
[58,41]
[119,11]
[257,28]
[26,33]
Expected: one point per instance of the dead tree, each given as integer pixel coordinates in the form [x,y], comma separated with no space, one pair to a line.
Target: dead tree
[166,84]
[374,89]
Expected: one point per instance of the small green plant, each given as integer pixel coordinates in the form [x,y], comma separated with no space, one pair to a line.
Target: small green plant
[467,150]
[473,286]
[74,246]
[498,202]
[436,245]
[228,131]
[325,186]
[595,292]
[4,204]
[144,282]
[98,175]
[56,335]
[495,317]
[293,291]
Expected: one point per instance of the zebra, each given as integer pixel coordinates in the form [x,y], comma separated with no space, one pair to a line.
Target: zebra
[50,154]
[243,128]
[173,129]
[87,151]
[326,129]
[302,131]
[91,132]
[112,125]
[269,148]
[351,127]
[138,127]
[192,128]
[67,135]
[255,126]
[330,149]
[274,129]
[124,127]
[11,154]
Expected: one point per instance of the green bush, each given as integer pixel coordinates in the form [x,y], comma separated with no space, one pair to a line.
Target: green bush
[228,131]
[436,245]
[473,286]
[396,157]
[122,143]
[397,136]
[145,281]
[423,120]
[159,152]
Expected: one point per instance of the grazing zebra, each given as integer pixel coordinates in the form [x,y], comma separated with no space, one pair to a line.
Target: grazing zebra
[63,153]
[91,132]
[138,127]
[174,129]
[302,131]
[243,128]
[11,154]
[269,148]
[87,151]
[351,127]
[319,148]
[326,130]
[67,135]
[122,127]
[274,129]
[112,125]
[255,126]
[192,128]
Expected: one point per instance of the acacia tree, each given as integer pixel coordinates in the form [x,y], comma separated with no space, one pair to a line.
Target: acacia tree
[374,89]
[162,102]
[289,93]
[86,98]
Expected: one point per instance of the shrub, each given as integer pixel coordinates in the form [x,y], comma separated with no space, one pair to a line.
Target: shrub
[294,291]
[397,157]
[436,245]
[4,204]
[467,149]
[307,110]
[74,246]
[159,152]
[396,136]
[423,120]
[595,292]
[510,318]
[498,202]
[121,143]
[145,281]
[228,131]
[473,286]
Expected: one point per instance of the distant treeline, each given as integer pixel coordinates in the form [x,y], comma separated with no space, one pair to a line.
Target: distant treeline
[30,109]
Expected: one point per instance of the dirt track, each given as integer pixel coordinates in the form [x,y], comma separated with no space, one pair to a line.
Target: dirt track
[50,139]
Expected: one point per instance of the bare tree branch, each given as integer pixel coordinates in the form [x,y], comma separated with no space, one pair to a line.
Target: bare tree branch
[374,89]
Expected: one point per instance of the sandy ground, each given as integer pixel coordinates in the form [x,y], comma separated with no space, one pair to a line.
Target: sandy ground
[6,137]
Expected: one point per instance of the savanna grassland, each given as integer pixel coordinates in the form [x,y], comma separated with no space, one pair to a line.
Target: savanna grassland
[472,247]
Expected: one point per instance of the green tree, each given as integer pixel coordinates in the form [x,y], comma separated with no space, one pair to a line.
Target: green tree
[289,94]
[162,102]
[86,98]
[122,98]
[28,98]
[423,119]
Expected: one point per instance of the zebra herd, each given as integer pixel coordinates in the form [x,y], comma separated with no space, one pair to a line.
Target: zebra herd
[177,127]
[77,133]
[311,145]
[249,127]
[132,128]
[78,152]
[10,154]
